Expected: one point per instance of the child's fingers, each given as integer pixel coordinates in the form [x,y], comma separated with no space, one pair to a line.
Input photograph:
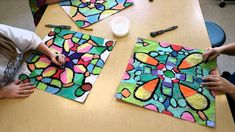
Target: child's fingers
[209,83]
[26,91]
[27,87]
[213,78]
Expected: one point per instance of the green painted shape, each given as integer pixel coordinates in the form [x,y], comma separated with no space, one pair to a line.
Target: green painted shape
[97,50]
[57,30]
[167,91]
[79,92]
[86,36]
[96,70]
[147,70]
[36,73]
[94,61]
[42,86]
[78,79]
[56,82]
[99,41]
[79,23]
[75,39]
[173,102]
[35,58]
[189,78]
[169,74]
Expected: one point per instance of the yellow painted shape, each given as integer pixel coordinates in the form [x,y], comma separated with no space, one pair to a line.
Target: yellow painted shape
[107,13]
[42,63]
[197,101]
[146,59]
[191,61]
[142,93]
[49,72]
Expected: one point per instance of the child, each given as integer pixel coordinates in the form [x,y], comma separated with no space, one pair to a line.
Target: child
[226,83]
[14,42]
[38,7]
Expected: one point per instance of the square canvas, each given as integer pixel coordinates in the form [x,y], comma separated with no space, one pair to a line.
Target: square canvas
[167,78]
[85,58]
[87,12]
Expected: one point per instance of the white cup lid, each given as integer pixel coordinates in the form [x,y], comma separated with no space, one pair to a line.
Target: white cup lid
[120,26]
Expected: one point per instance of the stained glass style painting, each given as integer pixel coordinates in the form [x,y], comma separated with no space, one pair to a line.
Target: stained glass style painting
[87,12]
[167,78]
[85,58]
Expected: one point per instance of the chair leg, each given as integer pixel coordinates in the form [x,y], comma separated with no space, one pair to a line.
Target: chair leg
[222,4]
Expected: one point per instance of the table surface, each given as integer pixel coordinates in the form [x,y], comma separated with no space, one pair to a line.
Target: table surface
[44,112]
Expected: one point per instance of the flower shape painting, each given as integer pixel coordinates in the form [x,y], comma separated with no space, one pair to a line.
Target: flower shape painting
[85,58]
[87,12]
[167,78]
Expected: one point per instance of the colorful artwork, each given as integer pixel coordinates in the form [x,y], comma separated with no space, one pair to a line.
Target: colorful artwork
[85,58]
[87,12]
[167,78]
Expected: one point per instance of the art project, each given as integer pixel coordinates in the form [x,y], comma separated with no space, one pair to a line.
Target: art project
[85,58]
[167,78]
[87,12]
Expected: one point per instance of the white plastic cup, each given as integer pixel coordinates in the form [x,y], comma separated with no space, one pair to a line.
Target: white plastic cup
[120,26]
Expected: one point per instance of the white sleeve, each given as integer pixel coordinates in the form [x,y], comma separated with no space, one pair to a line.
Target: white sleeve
[25,40]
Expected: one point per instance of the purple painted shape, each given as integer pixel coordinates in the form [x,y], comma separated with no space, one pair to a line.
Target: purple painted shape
[154,72]
[181,76]
[167,84]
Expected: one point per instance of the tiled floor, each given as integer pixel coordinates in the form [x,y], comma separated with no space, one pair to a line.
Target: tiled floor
[17,13]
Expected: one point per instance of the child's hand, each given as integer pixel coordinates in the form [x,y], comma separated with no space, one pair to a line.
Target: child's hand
[17,90]
[58,59]
[211,53]
[215,82]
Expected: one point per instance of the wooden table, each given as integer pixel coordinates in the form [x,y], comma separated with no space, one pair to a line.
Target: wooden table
[102,112]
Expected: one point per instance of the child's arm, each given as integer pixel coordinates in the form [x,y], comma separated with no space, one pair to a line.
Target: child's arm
[212,53]
[58,59]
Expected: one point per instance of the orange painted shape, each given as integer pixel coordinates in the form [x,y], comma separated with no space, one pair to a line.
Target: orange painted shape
[49,42]
[152,61]
[126,93]
[202,115]
[184,65]
[151,85]
[187,91]
[31,67]
[69,36]
[79,16]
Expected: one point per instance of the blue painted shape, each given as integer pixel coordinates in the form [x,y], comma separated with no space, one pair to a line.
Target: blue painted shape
[52,89]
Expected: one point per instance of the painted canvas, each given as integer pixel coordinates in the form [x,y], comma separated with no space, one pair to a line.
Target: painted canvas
[87,12]
[85,58]
[167,78]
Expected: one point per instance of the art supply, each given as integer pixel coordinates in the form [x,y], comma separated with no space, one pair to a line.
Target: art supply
[156,33]
[85,13]
[120,26]
[167,78]
[88,29]
[86,56]
[58,26]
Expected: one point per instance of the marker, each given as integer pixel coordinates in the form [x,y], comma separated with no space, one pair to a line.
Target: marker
[156,33]
[57,58]
[58,26]
[88,29]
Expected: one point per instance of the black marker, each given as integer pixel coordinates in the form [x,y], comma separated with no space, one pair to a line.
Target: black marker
[154,34]
[58,26]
